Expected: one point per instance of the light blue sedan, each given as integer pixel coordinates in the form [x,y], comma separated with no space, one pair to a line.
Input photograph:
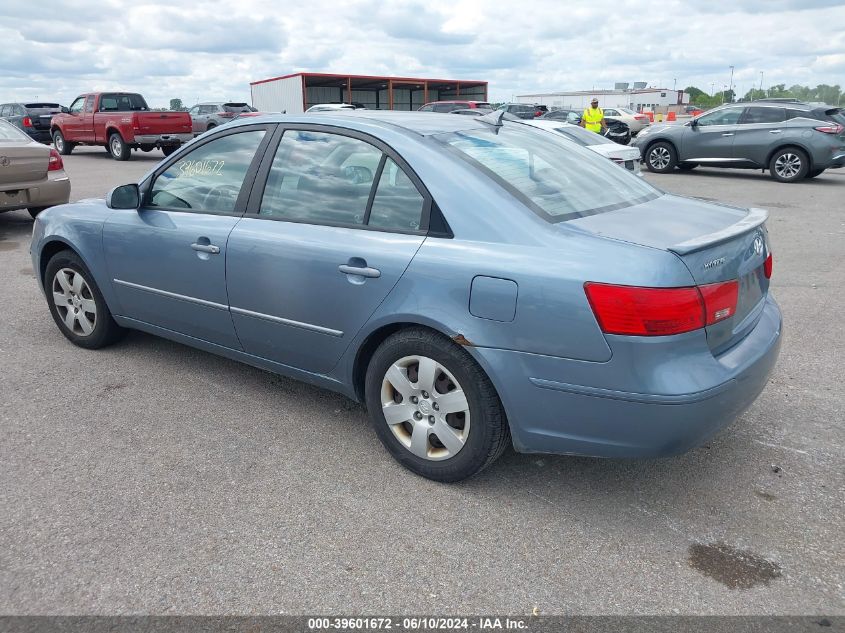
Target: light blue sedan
[476,282]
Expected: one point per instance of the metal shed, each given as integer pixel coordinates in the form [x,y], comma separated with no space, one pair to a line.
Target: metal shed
[297,92]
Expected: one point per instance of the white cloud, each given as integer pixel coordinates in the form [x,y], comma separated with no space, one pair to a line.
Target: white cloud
[212,50]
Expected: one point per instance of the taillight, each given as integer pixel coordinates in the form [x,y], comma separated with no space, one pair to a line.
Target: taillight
[226,115]
[719,301]
[27,122]
[638,311]
[833,128]
[767,267]
[55,161]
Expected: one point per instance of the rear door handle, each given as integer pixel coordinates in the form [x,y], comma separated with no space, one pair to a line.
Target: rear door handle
[366,271]
[206,248]
[775,131]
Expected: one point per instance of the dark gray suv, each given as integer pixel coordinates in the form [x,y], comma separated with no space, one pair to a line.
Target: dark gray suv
[792,140]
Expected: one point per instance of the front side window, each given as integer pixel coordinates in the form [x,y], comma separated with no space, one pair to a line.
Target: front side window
[209,178]
[194,111]
[321,178]
[427,108]
[728,116]
[76,106]
[556,179]
[611,112]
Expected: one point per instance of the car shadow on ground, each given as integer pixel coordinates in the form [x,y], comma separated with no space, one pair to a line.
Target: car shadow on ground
[757,175]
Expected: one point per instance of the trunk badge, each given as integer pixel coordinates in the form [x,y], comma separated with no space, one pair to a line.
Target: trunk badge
[713,263]
[758,245]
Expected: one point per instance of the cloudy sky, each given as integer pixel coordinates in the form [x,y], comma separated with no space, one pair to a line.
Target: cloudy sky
[210,50]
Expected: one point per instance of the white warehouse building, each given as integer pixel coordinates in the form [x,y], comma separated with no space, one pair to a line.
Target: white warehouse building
[655,99]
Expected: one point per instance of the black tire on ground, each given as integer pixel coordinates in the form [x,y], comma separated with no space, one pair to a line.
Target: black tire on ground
[118,148]
[488,434]
[814,172]
[789,164]
[210,126]
[687,166]
[167,150]
[33,211]
[105,330]
[661,157]
[62,146]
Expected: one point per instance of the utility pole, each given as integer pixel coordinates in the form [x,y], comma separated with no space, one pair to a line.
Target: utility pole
[674,85]
[731,88]
[761,81]
[712,86]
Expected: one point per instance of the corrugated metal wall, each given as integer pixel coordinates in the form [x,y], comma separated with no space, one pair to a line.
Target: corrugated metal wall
[278,95]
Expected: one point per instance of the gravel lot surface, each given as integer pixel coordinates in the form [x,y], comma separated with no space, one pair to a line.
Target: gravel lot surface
[153,478]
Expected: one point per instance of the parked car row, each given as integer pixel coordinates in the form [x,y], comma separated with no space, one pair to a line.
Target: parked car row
[792,140]
[437,241]
[207,116]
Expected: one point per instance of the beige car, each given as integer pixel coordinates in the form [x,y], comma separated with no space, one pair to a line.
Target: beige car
[32,175]
[633,120]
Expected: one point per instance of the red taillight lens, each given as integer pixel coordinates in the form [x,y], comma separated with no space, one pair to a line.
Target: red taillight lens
[27,122]
[226,115]
[636,311]
[719,301]
[767,266]
[833,128]
[56,162]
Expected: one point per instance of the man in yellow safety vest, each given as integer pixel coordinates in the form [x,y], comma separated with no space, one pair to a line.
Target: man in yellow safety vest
[593,118]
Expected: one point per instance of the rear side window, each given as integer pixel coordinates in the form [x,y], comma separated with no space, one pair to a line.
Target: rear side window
[447,107]
[397,204]
[208,179]
[320,178]
[763,115]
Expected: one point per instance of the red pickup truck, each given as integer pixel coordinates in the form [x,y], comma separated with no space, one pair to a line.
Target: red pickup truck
[120,122]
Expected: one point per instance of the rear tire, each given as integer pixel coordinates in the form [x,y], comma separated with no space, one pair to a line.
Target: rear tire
[789,164]
[454,400]
[34,211]
[813,173]
[210,127]
[76,303]
[118,148]
[62,146]
[167,150]
[661,157]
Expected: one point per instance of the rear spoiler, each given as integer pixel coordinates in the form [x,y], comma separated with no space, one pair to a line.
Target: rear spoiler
[755,218]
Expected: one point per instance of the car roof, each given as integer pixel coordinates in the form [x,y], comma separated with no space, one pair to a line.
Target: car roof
[421,123]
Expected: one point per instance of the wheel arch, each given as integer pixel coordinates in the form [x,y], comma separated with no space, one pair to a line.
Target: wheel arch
[49,249]
[794,145]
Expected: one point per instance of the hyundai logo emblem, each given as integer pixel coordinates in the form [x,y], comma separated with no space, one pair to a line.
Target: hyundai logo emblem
[4,161]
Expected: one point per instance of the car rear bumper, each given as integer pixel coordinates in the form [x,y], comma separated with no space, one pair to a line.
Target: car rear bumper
[163,139]
[44,193]
[692,394]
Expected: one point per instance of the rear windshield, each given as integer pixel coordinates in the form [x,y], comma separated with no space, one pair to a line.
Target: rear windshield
[122,103]
[237,107]
[41,105]
[582,136]
[482,104]
[556,179]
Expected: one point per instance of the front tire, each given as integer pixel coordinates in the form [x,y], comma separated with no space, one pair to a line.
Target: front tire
[118,148]
[433,407]
[687,166]
[789,164]
[813,173]
[661,158]
[76,303]
[34,211]
[62,146]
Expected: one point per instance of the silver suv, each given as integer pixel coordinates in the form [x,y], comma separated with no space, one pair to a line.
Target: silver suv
[792,140]
[207,116]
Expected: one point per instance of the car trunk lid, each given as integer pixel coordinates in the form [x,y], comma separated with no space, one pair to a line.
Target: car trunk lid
[41,114]
[23,162]
[162,123]
[717,243]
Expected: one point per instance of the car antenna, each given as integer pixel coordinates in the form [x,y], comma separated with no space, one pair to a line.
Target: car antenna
[496,117]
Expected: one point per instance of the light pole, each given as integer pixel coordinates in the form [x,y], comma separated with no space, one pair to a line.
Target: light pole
[761,81]
[712,86]
[732,83]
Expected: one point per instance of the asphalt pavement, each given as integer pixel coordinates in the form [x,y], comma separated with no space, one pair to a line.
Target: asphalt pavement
[153,478]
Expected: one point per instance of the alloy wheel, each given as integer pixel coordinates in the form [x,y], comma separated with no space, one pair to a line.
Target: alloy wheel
[788,165]
[425,408]
[116,145]
[74,302]
[659,158]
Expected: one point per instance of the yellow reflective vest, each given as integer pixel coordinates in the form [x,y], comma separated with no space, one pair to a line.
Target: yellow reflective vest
[592,119]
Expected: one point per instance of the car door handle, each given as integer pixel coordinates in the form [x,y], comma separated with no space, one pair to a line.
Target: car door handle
[775,131]
[365,271]
[206,248]
[727,133]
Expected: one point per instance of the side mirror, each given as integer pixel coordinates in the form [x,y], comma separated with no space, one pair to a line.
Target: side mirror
[124,197]
[65,110]
[693,123]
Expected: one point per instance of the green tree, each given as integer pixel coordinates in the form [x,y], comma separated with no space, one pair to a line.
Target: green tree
[176,105]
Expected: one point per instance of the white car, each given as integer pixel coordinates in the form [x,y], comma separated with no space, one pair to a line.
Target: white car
[623,155]
[331,107]
[633,120]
